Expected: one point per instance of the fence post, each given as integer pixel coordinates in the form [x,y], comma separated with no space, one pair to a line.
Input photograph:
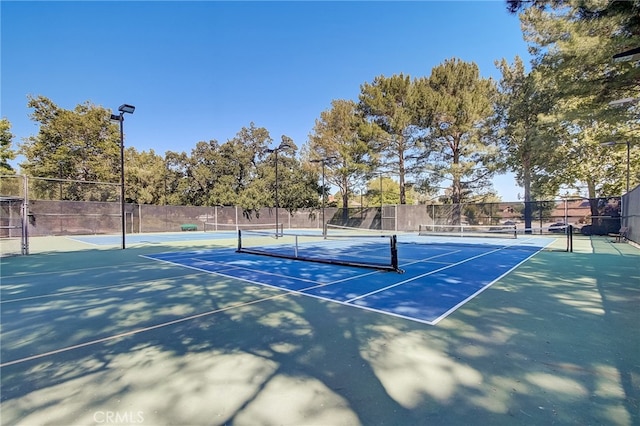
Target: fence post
[25,216]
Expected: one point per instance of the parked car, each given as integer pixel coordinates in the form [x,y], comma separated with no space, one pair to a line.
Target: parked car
[558,227]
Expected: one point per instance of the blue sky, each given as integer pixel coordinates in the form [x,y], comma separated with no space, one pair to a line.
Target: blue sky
[198,71]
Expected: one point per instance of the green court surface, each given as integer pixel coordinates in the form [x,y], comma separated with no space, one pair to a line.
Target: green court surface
[94,335]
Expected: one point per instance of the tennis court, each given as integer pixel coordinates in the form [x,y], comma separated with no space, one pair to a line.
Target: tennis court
[192,333]
[435,277]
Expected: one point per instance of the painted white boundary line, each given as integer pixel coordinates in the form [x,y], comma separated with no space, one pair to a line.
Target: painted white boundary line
[458,305]
[88,290]
[454,308]
[140,330]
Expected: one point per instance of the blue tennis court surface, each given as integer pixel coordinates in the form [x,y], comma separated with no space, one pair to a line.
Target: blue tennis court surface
[439,276]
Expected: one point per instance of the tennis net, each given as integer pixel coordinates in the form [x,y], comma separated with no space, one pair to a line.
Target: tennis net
[554,237]
[331,229]
[233,227]
[365,251]
[478,231]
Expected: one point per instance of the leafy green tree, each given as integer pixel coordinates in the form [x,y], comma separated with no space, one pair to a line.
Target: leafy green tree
[573,46]
[80,144]
[145,177]
[220,174]
[203,173]
[385,191]
[240,158]
[620,20]
[177,183]
[6,152]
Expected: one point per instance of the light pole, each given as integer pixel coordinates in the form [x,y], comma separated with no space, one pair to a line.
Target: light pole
[381,201]
[628,143]
[621,103]
[380,174]
[324,192]
[124,108]
[283,145]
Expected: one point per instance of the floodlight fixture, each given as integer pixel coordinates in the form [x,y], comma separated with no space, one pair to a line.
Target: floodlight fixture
[126,108]
[285,144]
[623,102]
[627,55]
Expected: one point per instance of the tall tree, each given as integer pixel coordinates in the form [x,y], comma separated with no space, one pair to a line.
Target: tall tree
[340,139]
[460,107]
[391,104]
[519,102]
[6,151]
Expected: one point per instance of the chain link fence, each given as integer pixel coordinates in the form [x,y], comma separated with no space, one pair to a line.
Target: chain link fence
[631,214]
[43,207]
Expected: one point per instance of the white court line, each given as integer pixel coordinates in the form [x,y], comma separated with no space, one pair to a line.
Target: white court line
[427,259]
[140,330]
[65,271]
[86,290]
[228,266]
[454,308]
[423,275]
[84,242]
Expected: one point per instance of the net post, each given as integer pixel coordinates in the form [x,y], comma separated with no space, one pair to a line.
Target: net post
[570,238]
[239,241]
[394,252]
